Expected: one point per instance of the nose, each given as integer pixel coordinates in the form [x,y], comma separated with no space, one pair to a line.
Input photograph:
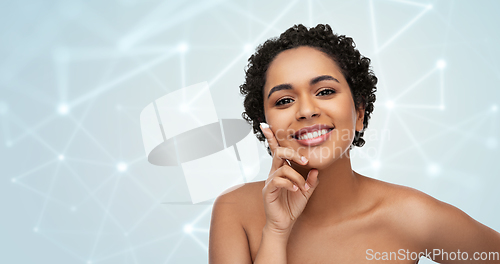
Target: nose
[307,108]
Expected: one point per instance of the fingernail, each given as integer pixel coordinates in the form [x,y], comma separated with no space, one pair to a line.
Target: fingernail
[304,159]
[264,125]
[307,186]
[295,187]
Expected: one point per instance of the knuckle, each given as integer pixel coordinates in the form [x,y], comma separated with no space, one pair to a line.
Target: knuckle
[278,151]
[271,177]
[274,180]
[275,152]
[288,170]
[284,153]
[281,170]
[292,174]
[289,153]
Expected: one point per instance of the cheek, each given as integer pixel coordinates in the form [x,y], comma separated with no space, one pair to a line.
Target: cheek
[281,136]
[341,112]
[347,126]
[280,123]
[344,118]
[281,132]
[345,112]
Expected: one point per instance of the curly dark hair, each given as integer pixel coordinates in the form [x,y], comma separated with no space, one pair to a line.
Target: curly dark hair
[355,68]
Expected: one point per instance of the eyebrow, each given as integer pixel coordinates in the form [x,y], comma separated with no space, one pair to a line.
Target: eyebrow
[313,81]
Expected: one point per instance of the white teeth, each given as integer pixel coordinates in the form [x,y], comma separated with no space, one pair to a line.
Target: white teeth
[315,134]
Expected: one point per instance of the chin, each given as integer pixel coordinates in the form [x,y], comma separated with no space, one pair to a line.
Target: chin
[324,157]
[319,165]
[327,151]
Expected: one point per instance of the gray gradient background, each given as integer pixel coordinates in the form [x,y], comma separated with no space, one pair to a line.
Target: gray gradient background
[107,60]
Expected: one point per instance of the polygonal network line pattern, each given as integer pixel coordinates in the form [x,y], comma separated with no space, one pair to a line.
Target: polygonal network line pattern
[75,76]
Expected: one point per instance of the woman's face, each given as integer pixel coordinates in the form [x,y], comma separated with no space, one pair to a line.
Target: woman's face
[305,92]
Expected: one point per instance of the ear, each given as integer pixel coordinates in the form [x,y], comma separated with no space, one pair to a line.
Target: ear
[360,118]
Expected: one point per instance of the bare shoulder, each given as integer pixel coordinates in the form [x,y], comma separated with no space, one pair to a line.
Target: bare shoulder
[234,203]
[422,217]
[394,195]
[406,209]
[228,241]
[242,195]
[403,197]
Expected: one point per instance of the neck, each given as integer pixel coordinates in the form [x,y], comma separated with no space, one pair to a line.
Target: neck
[336,193]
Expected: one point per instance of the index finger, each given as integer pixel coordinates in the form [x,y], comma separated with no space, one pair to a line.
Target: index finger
[271,139]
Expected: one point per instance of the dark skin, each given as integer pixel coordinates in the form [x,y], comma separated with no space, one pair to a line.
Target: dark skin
[340,215]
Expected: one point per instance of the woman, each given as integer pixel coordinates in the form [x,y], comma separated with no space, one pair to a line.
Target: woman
[316,93]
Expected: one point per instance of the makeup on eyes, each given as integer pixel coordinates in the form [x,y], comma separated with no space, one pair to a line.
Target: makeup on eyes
[313,81]
[329,90]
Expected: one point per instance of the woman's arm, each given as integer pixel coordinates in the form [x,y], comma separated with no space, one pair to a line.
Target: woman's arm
[228,242]
[452,230]
[272,247]
[444,231]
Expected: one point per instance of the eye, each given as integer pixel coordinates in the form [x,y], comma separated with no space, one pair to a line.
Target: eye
[284,101]
[326,92]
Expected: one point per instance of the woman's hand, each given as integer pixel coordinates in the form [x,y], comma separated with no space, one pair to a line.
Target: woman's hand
[286,192]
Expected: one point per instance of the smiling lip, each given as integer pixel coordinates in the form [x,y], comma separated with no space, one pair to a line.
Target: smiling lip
[315,141]
[310,129]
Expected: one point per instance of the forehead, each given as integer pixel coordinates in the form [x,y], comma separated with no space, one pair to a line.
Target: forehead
[299,65]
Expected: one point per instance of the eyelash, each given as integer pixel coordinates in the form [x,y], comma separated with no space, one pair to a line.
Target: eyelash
[279,102]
